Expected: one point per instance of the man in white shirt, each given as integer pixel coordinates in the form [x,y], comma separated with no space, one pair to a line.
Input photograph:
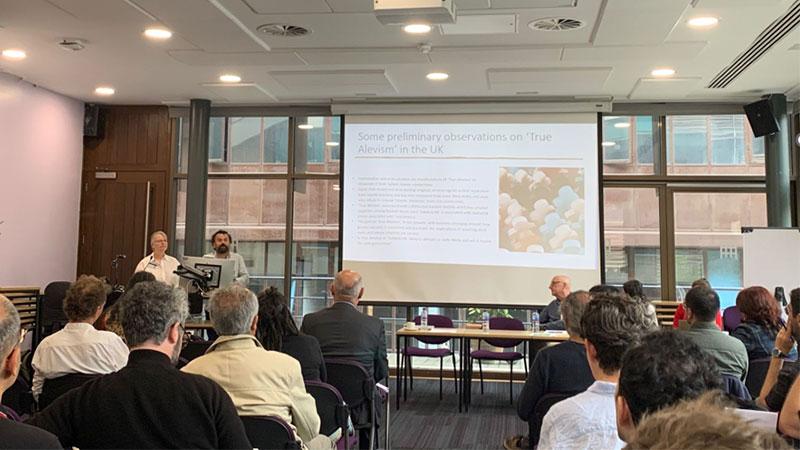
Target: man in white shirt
[610,325]
[159,263]
[221,243]
[79,347]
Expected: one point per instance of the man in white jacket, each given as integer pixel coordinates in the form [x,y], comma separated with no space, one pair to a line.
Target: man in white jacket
[260,382]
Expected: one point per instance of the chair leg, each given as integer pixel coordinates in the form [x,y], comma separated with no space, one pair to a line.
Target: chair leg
[405,378]
[455,374]
[525,357]
[480,368]
[410,374]
[441,376]
[511,383]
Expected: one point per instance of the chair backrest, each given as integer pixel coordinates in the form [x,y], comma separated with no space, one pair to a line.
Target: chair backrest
[731,318]
[52,316]
[505,323]
[56,387]
[268,432]
[540,410]
[756,373]
[331,408]
[195,349]
[734,387]
[356,387]
[437,321]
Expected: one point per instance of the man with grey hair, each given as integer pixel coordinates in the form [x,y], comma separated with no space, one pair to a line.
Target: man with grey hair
[260,382]
[12,433]
[560,369]
[148,403]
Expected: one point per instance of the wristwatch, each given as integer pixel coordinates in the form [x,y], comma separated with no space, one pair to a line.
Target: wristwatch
[776,353]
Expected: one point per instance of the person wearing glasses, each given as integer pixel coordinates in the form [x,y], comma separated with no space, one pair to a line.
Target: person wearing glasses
[12,433]
[79,348]
[159,263]
[149,403]
[550,317]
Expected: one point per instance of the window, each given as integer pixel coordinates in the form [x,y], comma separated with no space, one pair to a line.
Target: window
[628,145]
[687,140]
[720,144]
[317,147]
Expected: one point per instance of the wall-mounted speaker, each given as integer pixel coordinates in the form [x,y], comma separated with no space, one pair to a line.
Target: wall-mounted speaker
[762,119]
[92,121]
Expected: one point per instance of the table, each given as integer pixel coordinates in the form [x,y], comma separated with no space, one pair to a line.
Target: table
[198,325]
[465,363]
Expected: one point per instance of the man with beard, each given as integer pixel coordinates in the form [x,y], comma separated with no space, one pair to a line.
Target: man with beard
[148,403]
[221,243]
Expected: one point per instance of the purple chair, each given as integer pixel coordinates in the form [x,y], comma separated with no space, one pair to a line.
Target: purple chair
[502,323]
[437,321]
[731,318]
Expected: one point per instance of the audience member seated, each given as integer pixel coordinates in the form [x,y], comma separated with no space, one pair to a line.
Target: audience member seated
[260,382]
[789,418]
[730,355]
[344,332]
[610,325]
[634,289]
[761,321]
[780,375]
[79,347]
[680,311]
[664,369]
[277,331]
[110,319]
[149,403]
[603,289]
[560,369]
[15,435]
[550,316]
[701,424]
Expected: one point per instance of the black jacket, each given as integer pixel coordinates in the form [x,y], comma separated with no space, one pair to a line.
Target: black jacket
[22,436]
[343,332]
[305,349]
[147,404]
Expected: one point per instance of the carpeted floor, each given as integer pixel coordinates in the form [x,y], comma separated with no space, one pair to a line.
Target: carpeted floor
[424,422]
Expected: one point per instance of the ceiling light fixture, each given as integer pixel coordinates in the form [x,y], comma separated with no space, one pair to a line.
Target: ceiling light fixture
[14,54]
[417,28]
[703,22]
[608,144]
[305,126]
[332,144]
[663,72]
[157,33]
[230,78]
[104,90]
[622,125]
[437,76]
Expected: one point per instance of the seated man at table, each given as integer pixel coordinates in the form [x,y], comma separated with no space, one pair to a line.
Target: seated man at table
[550,317]
[610,326]
[260,382]
[560,369]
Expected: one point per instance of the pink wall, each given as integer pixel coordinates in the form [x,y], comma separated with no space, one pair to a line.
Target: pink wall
[41,152]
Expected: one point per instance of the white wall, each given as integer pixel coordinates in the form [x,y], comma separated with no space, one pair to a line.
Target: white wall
[41,152]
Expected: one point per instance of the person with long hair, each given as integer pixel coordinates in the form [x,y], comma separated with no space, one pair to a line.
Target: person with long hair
[761,322]
[277,331]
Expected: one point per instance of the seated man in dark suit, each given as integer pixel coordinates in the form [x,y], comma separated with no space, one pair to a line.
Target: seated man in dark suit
[560,369]
[148,403]
[344,332]
[14,434]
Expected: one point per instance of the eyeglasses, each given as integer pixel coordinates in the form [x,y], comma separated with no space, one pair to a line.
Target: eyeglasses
[22,333]
[186,336]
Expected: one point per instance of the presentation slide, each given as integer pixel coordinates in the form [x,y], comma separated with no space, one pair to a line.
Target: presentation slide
[470,209]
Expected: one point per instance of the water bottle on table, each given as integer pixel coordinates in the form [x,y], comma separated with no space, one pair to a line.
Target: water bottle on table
[486,321]
[535,322]
[423,321]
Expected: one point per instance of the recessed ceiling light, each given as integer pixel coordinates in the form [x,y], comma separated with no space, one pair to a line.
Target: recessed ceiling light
[332,144]
[417,28]
[104,90]
[305,126]
[622,125]
[703,22]
[663,72]
[608,144]
[437,76]
[230,78]
[158,33]
[14,53]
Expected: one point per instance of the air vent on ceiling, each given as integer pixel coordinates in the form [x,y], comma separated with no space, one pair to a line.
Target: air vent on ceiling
[771,35]
[74,45]
[556,24]
[283,30]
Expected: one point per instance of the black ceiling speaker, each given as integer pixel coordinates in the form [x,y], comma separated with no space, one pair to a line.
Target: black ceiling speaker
[761,118]
[92,121]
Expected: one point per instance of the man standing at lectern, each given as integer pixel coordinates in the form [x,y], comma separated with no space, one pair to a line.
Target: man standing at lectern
[221,243]
[550,317]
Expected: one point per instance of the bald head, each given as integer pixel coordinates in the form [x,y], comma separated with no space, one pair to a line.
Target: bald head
[347,287]
[560,287]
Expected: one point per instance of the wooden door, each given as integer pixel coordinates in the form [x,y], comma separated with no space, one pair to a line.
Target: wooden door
[118,213]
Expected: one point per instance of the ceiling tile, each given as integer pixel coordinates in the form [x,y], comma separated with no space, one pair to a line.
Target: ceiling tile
[662,88]
[334,83]
[550,81]
[644,22]
[462,5]
[493,55]
[482,24]
[678,51]
[287,6]
[531,4]
[240,93]
[202,58]
[363,57]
